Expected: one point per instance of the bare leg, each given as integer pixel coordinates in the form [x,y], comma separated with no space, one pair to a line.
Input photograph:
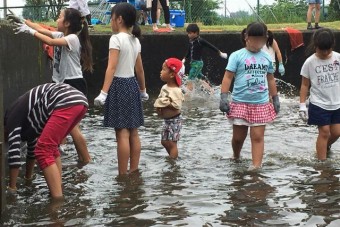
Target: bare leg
[321,142]
[335,133]
[309,12]
[239,135]
[171,148]
[29,168]
[257,144]
[135,150]
[52,176]
[80,144]
[123,150]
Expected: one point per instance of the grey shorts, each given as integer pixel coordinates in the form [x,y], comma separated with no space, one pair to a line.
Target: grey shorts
[172,128]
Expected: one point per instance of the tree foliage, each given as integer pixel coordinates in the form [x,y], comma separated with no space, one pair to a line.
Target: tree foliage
[42,9]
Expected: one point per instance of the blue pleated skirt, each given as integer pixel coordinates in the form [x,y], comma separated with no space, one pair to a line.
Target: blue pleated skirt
[123,105]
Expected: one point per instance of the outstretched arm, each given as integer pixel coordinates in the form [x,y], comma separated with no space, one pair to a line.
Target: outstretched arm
[38,28]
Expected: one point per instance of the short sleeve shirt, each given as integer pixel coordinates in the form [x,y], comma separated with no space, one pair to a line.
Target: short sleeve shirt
[66,61]
[251,70]
[324,78]
[129,47]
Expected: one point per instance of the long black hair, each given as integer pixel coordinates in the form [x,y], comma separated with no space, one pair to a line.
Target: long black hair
[129,16]
[322,39]
[79,25]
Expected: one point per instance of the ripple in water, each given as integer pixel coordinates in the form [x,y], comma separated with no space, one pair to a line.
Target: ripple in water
[202,188]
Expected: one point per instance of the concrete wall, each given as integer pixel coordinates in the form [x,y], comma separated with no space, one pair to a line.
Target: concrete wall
[26,65]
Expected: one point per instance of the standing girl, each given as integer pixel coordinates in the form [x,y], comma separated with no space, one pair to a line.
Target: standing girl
[249,106]
[72,54]
[321,73]
[122,92]
[272,48]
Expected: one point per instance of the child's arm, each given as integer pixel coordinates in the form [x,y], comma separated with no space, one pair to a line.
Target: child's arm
[271,85]
[273,92]
[111,69]
[212,47]
[279,57]
[140,72]
[41,36]
[141,78]
[227,78]
[305,84]
[277,51]
[38,28]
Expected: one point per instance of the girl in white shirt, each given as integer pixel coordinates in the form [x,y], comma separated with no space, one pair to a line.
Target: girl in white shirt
[122,92]
[320,76]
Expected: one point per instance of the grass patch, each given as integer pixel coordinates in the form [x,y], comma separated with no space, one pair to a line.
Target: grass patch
[106,29]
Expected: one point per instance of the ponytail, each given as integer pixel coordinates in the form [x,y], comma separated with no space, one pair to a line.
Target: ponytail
[86,48]
[136,31]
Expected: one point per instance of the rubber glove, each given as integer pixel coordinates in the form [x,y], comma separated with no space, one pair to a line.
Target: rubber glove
[223,55]
[281,69]
[24,28]
[224,102]
[276,103]
[303,112]
[144,96]
[100,99]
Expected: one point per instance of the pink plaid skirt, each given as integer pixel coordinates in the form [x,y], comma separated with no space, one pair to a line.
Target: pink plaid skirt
[252,113]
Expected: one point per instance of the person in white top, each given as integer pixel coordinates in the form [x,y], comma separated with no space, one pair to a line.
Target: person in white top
[72,55]
[83,8]
[321,77]
[272,48]
[122,92]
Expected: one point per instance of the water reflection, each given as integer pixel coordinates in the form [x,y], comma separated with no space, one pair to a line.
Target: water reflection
[249,200]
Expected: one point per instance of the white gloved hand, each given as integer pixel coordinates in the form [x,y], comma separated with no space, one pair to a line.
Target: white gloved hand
[183,61]
[100,99]
[223,55]
[144,96]
[24,28]
[13,18]
[303,112]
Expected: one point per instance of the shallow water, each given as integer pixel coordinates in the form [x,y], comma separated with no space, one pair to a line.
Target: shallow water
[202,188]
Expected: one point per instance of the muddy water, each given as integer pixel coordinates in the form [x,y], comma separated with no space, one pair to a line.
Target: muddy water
[202,188]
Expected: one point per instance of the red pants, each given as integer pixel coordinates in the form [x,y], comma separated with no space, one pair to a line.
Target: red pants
[60,123]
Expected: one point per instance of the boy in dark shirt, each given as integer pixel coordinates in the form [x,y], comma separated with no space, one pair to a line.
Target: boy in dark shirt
[196,45]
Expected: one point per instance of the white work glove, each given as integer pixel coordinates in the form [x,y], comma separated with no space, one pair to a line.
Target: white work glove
[281,69]
[303,112]
[24,28]
[100,99]
[144,96]
[223,55]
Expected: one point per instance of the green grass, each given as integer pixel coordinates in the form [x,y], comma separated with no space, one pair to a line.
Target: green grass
[335,25]
[228,28]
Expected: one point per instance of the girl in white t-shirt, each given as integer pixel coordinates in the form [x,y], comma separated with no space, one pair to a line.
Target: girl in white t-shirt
[272,48]
[122,92]
[321,77]
[72,55]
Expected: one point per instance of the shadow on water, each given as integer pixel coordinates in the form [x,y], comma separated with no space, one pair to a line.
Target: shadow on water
[202,188]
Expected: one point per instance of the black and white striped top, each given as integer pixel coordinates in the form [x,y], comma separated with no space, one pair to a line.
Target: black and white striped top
[26,118]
